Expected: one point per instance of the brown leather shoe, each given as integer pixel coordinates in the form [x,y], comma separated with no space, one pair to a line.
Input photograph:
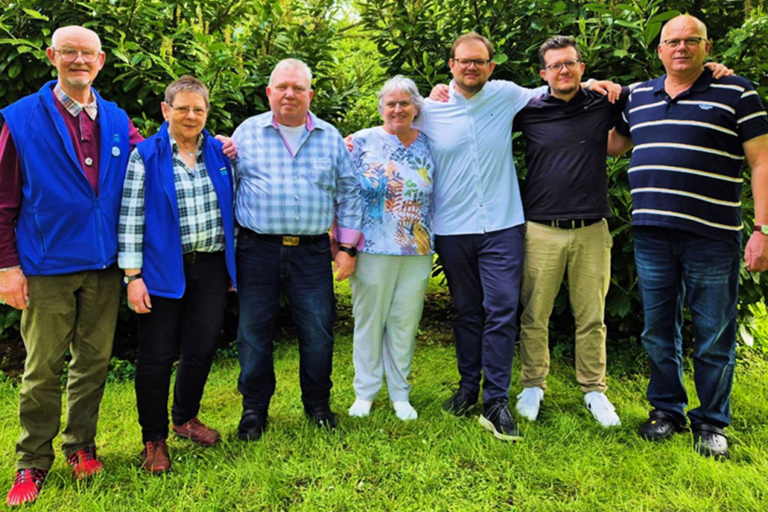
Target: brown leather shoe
[155,457]
[197,432]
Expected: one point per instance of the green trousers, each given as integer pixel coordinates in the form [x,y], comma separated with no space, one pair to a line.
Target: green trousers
[585,255]
[78,312]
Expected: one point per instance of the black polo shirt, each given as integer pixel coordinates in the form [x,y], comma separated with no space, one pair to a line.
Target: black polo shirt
[688,160]
[565,154]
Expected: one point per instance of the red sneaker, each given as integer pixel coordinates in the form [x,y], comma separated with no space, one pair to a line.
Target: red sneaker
[26,486]
[84,462]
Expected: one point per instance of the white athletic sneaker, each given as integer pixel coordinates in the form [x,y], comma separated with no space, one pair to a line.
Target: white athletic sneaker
[529,401]
[360,408]
[602,409]
[405,411]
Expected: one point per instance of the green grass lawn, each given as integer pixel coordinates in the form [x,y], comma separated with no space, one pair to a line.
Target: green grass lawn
[565,462]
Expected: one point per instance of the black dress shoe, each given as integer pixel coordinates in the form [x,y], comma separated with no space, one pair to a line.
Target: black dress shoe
[461,402]
[710,441]
[252,424]
[322,416]
[660,425]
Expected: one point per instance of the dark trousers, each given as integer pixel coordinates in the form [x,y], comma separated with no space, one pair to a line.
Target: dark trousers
[673,265]
[189,326]
[304,272]
[484,273]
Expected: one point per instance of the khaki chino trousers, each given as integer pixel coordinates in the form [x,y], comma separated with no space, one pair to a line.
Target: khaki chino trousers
[76,311]
[585,253]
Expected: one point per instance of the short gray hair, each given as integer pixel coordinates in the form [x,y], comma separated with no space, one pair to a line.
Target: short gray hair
[186,83]
[292,63]
[399,83]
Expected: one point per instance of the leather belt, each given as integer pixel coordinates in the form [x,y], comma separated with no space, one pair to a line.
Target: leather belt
[192,257]
[567,223]
[287,240]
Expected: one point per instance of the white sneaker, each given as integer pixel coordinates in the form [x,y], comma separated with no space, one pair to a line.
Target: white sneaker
[602,409]
[405,411]
[529,401]
[360,408]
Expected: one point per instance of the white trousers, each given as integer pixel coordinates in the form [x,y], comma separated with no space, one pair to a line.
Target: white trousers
[387,301]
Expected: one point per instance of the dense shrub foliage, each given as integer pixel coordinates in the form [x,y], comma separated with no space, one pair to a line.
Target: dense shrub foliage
[232,45]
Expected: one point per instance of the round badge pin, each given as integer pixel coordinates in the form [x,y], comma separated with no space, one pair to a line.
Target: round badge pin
[115,151]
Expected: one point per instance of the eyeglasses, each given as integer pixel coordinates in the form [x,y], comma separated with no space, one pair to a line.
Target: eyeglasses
[184,111]
[403,104]
[70,54]
[571,65]
[689,42]
[465,63]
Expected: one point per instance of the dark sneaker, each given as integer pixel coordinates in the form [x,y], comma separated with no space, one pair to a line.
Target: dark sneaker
[26,486]
[462,401]
[497,418]
[253,423]
[322,416]
[84,462]
[710,441]
[155,458]
[197,432]
[660,425]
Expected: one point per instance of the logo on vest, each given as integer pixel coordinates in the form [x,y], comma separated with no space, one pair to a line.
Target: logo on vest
[115,151]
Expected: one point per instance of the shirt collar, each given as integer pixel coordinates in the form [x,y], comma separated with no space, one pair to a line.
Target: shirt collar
[550,98]
[175,145]
[700,85]
[73,106]
[456,94]
[270,120]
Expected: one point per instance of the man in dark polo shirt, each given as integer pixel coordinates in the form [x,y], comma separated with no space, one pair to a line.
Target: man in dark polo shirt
[565,199]
[692,134]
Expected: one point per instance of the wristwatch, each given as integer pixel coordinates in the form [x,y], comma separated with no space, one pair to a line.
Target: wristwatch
[352,251]
[129,279]
[761,229]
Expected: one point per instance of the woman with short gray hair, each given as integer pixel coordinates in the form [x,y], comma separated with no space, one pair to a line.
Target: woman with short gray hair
[392,271]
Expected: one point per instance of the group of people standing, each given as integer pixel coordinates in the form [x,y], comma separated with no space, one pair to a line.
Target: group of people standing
[86,202]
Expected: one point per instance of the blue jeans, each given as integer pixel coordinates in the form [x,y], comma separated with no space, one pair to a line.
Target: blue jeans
[673,265]
[484,273]
[304,272]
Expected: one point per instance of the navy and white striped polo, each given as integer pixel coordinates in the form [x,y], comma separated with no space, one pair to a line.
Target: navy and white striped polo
[687,162]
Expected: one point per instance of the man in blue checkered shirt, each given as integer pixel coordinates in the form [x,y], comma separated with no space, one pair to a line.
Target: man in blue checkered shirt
[295,179]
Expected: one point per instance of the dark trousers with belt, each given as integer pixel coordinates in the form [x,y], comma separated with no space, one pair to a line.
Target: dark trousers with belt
[484,273]
[190,327]
[265,266]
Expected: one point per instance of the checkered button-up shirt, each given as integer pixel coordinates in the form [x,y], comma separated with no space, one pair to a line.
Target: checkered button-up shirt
[282,193]
[199,214]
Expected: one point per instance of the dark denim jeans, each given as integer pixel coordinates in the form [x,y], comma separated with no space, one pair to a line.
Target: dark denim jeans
[188,327]
[484,274]
[673,265]
[304,272]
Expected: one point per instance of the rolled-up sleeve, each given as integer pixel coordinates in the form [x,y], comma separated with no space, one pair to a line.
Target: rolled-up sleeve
[349,204]
[131,226]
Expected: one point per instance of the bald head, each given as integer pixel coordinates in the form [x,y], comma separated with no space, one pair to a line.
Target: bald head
[682,22]
[75,32]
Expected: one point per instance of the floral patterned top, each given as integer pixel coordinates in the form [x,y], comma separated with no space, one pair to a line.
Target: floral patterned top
[397,193]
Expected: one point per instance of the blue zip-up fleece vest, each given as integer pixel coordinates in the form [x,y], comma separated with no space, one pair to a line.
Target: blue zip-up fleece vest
[63,226]
[163,269]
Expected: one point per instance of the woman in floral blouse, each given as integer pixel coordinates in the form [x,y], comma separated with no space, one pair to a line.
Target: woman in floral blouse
[396,171]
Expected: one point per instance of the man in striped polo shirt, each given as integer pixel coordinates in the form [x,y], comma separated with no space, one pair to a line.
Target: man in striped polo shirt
[692,134]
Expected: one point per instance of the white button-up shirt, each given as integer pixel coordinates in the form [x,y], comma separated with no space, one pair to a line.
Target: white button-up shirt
[476,188]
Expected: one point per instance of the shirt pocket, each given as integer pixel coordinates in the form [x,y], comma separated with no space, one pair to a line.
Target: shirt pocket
[322,172]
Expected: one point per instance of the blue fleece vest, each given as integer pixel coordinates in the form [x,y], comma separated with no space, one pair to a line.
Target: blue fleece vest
[63,226]
[163,268]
